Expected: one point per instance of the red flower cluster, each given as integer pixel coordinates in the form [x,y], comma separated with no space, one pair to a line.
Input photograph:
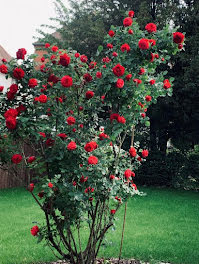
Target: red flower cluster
[32,83]
[102,136]
[99,75]
[34,230]
[178,37]
[118,70]
[109,46]
[125,47]
[92,160]
[128,76]
[120,83]
[111,33]
[66,81]
[87,77]
[118,118]
[18,73]
[31,187]
[167,84]
[142,71]
[12,91]
[10,116]
[152,82]
[62,135]
[151,27]
[31,159]
[145,153]
[143,44]
[54,49]
[42,98]
[3,69]
[89,94]
[127,22]
[64,60]
[90,146]
[21,54]
[148,98]
[72,146]
[16,158]
[132,152]
[131,13]
[83,58]
[128,173]
[50,185]
[50,142]
[1,88]
[70,120]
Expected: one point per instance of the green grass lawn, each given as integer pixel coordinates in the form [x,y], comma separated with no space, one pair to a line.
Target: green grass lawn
[162,226]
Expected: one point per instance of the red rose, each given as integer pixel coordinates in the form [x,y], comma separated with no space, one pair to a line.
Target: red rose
[148,98]
[130,31]
[112,177]
[32,83]
[54,48]
[1,88]
[109,46]
[132,152]
[41,194]
[127,22]
[89,94]
[152,82]
[118,70]
[67,81]
[114,116]
[180,46]
[82,179]
[11,122]
[16,158]
[70,120]
[3,69]
[64,60]
[50,185]
[114,54]
[77,55]
[4,60]
[90,146]
[143,115]
[13,88]
[137,81]
[92,64]
[47,45]
[131,13]
[125,47]
[34,230]
[62,135]
[98,74]
[150,27]
[31,187]
[128,173]
[81,108]
[87,77]
[50,142]
[42,134]
[167,84]
[128,77]
[139,159]
[83,58]
[113,211]
[153,42]
[72,145]
[31,159]
[178,37]
[21,53]
[42,98]
[11,113]
[142,71]
[145,153]
[111,33]
[92,160]
[102,136]
[121,120]
[134,186]
[120,83]
[18,73]
[143,44]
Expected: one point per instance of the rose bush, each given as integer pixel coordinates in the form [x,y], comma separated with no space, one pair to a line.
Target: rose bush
[75,116]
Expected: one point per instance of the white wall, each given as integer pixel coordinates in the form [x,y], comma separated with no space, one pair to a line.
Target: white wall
[5,82]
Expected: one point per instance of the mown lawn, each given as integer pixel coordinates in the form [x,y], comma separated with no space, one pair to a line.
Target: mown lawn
[161,226]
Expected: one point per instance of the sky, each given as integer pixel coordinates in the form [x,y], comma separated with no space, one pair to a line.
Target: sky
[19,20]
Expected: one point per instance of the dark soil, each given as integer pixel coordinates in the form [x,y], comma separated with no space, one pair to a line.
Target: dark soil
[106,261]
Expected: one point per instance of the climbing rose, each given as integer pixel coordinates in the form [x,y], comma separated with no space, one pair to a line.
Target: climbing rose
[66,81]
[113,211]
[62,135]
[152,82]
[130,31]
[31,159]
[32,83]
[92,160]
[77,55]
[127,22]
[151,27]
[128,173]
[143,44]
[18,73]
[120,83]
[109,46]
[125,47]
[128,77]
[64,60]
[112,177]
[34,230]
[31,187]
[13,89]
[89,94]
[98,74]
[16,158]
[132,152]
[42,98]
[114,54]
[90,146]
[145,153]
[111,33]
[54,48]
[152,42]
[47,45]
[3,69]
[87,77]
[167,84]
[11,113]
[70,120]
[83,58]
[50,142]
[50,185]
[72,145]
[178,37]
[11,122]
[131,13]
[102,136]
[121,120]
[21,53]
[148,98]
[118,70]
[142,71]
